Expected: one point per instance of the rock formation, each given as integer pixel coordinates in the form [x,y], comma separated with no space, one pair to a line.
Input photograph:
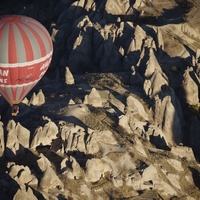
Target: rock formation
[69,79]
[121,121]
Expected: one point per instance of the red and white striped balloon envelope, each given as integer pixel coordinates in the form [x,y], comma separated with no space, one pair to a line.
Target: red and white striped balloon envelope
[25,55]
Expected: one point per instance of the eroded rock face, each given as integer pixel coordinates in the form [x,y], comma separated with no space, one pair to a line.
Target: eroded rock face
[93,98]
[25,194]
[122,129]
[37,99]
[44,135]
[95,169]
[17,139]
[134,106]
[190,87]
[22,175]
[50,181]
[167,118]
[69,79]
[2,143]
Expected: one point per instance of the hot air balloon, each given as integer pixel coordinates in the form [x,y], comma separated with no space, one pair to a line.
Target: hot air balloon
[25,55]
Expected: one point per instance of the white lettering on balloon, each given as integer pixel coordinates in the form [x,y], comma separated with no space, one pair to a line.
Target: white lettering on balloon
[4,72]
[44,67]
[3,80]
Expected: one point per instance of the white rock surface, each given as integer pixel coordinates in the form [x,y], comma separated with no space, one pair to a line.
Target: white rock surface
[37,99]
[101,141]
[43,162]
[22,175]
[2,142]
[94,98]
[17,139]
[50,181]
[24,194]
[96,169]
[69,79]
[190,87]
[44,134]
[123,129]
[134,106]
[74,172]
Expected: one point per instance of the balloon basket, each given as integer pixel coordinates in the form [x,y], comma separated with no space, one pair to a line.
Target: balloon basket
[15,110]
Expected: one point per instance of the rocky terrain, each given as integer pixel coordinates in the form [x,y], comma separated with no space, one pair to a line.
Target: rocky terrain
[117,114]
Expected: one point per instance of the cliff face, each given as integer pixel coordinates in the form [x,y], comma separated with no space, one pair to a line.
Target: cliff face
[117,114]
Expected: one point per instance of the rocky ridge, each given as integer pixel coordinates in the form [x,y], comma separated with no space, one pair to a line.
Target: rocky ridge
[117,114]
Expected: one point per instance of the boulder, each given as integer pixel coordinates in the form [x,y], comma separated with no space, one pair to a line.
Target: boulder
[176,164]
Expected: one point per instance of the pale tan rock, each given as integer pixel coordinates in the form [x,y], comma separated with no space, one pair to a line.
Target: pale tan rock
[94,98]
[75,171]
[136,107]
[2,144]
[73,137]
[117,7]
[153,84]
[50,181]
[167,118]
[176,164]
[101,141]
[22,175]
[140,36]
[183,152]
[116,103]
[17,139]
[190,87]
[121,165]
[44,134]
[24,194]
[43,162]
[139,146]
[152,64]
[69,79]
[37,99]
[80,111]
[124,122]
[95,169]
